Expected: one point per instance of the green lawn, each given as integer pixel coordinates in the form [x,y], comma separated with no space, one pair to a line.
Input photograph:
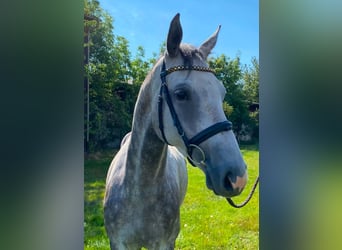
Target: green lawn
[207,221]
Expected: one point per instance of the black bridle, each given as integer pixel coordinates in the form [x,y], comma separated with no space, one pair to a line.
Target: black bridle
[205,134]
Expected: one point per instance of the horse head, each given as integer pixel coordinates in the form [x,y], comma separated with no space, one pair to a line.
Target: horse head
[190,114]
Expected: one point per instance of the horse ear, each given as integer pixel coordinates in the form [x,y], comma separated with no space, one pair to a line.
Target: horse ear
[174,36]
[209,44]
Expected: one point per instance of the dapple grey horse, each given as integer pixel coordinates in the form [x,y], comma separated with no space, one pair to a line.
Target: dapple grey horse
[178,114]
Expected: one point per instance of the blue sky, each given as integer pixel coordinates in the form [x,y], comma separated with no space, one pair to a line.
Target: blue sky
[146,23]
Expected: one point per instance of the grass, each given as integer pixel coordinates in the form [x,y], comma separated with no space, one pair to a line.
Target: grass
[207,221]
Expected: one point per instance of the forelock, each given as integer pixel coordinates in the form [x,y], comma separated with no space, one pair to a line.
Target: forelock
[190,53]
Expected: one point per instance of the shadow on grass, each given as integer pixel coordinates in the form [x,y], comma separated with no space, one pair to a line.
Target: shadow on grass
[249,147]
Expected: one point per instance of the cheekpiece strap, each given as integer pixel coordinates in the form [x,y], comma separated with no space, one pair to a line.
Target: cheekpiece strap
[163,73]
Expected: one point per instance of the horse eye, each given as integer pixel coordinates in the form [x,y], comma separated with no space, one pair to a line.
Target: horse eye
[181,95]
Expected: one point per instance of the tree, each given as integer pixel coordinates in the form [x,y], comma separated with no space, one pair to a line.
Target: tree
[251,81]
[229,72]
[251,90]
[121,57]
[115,79]
[108,68]
[139,67]
[162,49]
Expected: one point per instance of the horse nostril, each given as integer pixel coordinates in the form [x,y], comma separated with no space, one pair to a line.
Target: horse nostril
[227,182]
[234,183]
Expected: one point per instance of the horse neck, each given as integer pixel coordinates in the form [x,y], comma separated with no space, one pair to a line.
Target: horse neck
[146,153]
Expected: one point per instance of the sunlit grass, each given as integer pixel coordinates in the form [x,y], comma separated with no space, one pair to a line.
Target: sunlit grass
[207,221]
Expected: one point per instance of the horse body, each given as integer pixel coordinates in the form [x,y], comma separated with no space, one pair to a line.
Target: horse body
[137,213]
[145,186]
[147,180]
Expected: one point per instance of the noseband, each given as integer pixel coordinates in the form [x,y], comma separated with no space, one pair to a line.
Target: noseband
[205,134]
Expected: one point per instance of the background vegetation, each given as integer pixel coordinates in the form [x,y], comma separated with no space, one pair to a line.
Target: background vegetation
[115,78]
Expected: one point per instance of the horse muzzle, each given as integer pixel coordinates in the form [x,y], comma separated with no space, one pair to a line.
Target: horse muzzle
[227,184]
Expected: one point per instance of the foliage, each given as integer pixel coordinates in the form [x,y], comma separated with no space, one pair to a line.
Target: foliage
[228,110]
[139,67]
[115,78]
[251,81]
[251,90]
[109,70]
[207,221]
[229,72]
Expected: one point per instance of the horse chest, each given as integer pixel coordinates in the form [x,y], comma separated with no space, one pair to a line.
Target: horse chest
[151,205]
[146,217]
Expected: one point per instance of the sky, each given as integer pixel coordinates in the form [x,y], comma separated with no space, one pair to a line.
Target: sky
[146,23]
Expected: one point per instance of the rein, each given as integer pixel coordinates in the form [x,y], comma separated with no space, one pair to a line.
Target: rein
[233,204]
[205,134]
